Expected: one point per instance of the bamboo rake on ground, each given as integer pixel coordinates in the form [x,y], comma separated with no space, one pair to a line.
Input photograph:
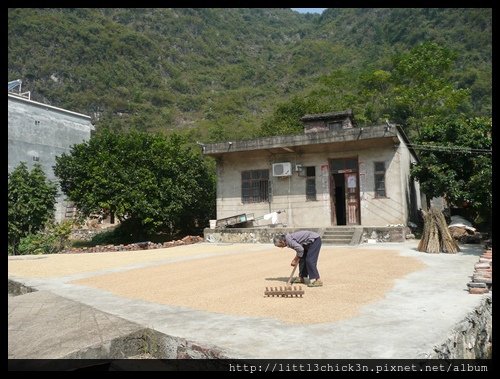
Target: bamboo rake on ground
[287,291]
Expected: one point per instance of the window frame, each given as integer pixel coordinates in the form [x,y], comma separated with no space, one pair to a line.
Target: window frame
[256,184]
[311,184]
[379,176]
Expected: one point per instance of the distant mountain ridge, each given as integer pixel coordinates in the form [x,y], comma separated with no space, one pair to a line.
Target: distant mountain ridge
[221,71]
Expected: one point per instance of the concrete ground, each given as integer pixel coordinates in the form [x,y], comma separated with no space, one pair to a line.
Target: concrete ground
[383,300]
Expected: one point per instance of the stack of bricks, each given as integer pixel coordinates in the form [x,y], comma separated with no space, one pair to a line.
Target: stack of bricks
[482,279]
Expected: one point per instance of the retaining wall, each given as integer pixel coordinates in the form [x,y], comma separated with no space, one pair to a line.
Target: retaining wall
[265,235]
[470,338]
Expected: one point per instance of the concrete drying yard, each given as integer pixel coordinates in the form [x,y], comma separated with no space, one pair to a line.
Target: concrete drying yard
[378,301]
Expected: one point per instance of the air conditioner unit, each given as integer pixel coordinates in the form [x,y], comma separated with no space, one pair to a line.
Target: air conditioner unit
[282,169]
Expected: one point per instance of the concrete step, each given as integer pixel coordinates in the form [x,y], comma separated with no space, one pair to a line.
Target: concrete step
[337,236]
[339,231]
[337,242]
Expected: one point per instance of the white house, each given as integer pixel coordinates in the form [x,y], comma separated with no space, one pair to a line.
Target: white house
[334,174]
[38,132]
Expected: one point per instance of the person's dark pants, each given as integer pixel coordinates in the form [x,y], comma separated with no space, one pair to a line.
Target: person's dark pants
[308,262]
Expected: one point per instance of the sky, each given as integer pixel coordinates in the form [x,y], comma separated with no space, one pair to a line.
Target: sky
[309,10]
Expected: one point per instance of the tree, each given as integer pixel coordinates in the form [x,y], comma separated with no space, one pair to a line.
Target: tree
[423,88]
[31,203]
[417,86]
[157,183]
[455,163]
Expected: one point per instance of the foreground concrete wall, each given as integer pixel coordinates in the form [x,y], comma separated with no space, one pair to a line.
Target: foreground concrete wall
[150,344]
[289,193]
[471,338]
[37,133]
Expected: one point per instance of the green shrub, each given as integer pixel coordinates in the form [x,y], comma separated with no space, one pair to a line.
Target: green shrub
[53,239]
[39,243]
[31,201]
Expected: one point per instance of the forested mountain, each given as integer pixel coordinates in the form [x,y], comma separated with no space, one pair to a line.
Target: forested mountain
[224,73]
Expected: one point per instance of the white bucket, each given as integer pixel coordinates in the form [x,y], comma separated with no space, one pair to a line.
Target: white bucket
[213,224]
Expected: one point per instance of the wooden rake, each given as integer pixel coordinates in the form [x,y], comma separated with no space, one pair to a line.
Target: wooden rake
[287,291]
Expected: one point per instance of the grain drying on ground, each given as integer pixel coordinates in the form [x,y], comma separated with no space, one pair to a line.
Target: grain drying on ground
[234,284]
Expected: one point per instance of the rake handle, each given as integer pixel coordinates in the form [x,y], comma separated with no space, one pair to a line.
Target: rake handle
[291,275]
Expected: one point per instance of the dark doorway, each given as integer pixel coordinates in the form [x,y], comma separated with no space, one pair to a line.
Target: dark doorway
[344,191]
[338,179]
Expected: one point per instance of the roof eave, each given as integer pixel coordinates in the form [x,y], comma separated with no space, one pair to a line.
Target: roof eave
[291,141]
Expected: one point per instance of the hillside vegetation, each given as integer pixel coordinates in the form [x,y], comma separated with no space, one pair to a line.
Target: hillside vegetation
[224,73]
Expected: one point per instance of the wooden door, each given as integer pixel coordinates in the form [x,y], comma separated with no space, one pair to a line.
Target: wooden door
[344,191]
[352,200]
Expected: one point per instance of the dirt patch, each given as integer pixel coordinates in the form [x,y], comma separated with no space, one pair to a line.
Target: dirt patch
[235,284]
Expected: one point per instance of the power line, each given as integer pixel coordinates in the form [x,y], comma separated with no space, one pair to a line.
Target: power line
[457,149]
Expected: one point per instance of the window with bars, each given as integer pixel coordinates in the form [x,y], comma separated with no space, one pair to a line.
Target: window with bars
[380,179]
[255,186]
[311,183]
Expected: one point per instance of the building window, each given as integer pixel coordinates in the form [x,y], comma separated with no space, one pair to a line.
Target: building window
[35,158]
[380,179]
[255,186]
[311,183]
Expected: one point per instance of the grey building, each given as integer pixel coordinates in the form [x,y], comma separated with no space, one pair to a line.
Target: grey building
[38,132]
[333,174]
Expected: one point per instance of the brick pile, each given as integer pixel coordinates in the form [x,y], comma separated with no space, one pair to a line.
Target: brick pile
[482,279]
[135,246]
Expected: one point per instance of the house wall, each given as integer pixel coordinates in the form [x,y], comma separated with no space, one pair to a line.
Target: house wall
[412,198]
[38,130]
[390,209]
[289,193]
